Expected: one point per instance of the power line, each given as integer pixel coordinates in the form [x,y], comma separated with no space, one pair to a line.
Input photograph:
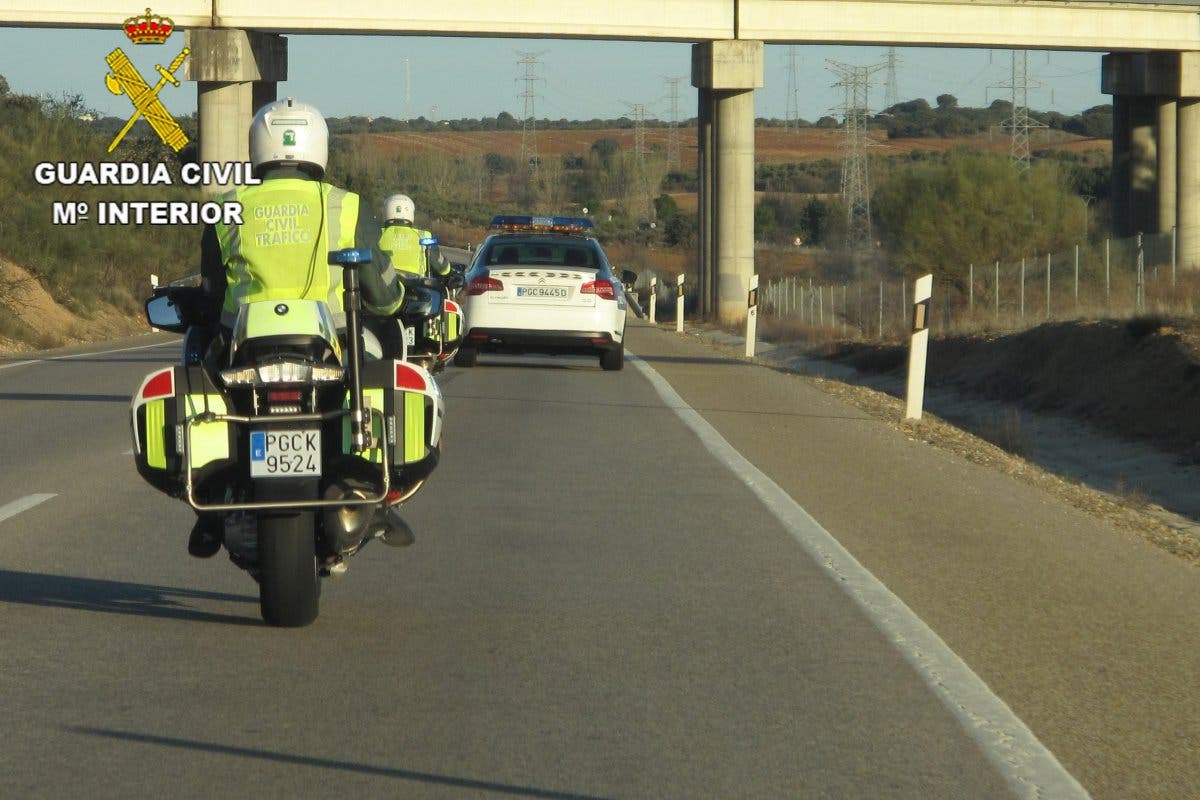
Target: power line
[1020,122]
[792,114]
[674,150]
[856,189]
[891,94]
[407,91]
[641,198]
[529,149]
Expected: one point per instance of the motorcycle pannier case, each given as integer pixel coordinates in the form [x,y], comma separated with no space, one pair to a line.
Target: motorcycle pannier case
[411,406]
[166,399]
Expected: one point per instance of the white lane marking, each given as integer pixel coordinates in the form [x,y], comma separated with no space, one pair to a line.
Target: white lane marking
[24,504]
[1031,770]
[81,355]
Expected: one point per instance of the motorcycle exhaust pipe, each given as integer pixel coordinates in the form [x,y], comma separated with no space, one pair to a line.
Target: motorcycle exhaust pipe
[346,526]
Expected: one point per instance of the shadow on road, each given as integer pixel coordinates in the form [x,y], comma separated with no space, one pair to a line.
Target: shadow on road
[71,397]
[166,359]
[328,763]
[91,594]
[724,362]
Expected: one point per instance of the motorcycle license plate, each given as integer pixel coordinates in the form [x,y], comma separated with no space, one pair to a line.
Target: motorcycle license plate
[285,453]
[410,336]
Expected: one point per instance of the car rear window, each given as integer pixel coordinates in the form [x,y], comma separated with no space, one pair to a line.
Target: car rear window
[564,254]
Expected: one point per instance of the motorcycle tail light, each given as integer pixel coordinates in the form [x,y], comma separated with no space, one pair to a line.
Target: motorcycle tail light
[283,396]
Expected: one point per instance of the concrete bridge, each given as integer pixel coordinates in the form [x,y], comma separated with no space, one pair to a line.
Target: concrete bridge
[1152,70]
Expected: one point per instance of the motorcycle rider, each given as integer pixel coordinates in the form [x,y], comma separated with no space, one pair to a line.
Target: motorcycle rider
[292,220]
[401,240]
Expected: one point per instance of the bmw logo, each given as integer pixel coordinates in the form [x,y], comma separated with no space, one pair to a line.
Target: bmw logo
[281,309]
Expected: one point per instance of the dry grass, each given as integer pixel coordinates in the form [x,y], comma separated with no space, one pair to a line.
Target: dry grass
[1006,430]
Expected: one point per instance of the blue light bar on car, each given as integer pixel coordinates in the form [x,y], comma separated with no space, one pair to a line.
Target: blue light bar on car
[527,222]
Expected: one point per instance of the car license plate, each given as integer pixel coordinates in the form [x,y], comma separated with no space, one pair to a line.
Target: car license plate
[285,453]
[542,291]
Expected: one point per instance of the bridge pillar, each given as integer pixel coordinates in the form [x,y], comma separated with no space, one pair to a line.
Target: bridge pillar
[235,72]
[1167,150]
[1156,145]
[726,73]
[1143,165]
[1187,198]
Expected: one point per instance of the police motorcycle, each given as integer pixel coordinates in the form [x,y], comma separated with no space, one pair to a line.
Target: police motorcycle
[304,450]
[431,340]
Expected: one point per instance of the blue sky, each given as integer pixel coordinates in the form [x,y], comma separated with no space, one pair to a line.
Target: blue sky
[461,77]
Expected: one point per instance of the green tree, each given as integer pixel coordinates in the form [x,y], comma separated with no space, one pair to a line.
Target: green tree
[973,208]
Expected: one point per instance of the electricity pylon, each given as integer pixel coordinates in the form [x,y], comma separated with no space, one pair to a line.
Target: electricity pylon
[856,186]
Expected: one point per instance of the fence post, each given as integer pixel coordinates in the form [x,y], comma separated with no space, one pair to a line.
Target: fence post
[903,300]
[1174,244]
[1140,299]
[881,310]
[752,315]
[845,305]
[1107,272]
[654,300]
[918,347]
[997,291]
[1022,288]
[1077,280]
[971,291]
[821,306]
[1047,286]
[679,304]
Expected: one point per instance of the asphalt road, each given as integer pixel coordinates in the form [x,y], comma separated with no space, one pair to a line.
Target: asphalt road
[603,601]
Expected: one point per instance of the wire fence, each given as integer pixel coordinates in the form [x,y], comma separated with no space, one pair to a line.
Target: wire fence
[1111,278]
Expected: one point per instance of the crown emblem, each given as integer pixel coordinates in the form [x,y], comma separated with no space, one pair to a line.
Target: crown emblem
[149,28]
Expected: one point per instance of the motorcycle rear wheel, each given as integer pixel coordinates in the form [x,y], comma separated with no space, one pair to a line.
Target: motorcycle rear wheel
[288,589]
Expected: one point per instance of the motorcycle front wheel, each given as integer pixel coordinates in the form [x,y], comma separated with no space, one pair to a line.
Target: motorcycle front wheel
[288,591]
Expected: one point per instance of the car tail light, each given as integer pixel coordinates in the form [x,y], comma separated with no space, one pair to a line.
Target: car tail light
[602,289]
[484,283]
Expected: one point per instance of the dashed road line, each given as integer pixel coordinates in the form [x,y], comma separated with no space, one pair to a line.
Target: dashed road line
[24,504]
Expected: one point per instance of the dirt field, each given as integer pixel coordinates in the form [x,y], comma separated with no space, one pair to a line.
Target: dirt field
[771,145]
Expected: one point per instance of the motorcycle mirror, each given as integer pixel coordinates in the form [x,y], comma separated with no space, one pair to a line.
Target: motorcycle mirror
[628,277]
[350,257]
[164,314]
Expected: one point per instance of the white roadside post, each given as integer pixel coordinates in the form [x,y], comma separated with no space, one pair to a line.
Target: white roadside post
[918,347]
[679,305]
[654,300]
[751,315]
[153,287]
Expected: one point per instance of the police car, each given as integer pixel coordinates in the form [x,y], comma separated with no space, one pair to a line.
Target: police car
[543,285]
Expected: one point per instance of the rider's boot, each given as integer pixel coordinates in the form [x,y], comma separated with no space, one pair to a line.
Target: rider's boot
[207,535]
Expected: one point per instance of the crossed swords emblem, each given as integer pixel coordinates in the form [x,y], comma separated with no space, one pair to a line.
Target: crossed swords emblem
[126,79]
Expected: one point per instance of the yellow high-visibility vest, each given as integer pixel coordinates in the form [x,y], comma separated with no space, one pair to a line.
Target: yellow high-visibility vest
[281,249]
[403,244]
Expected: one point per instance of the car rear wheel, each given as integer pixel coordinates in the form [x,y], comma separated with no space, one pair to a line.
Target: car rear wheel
[465,357]
[614,359]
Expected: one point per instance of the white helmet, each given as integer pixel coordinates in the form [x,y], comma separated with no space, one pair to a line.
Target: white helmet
[289,132]
[399,208]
